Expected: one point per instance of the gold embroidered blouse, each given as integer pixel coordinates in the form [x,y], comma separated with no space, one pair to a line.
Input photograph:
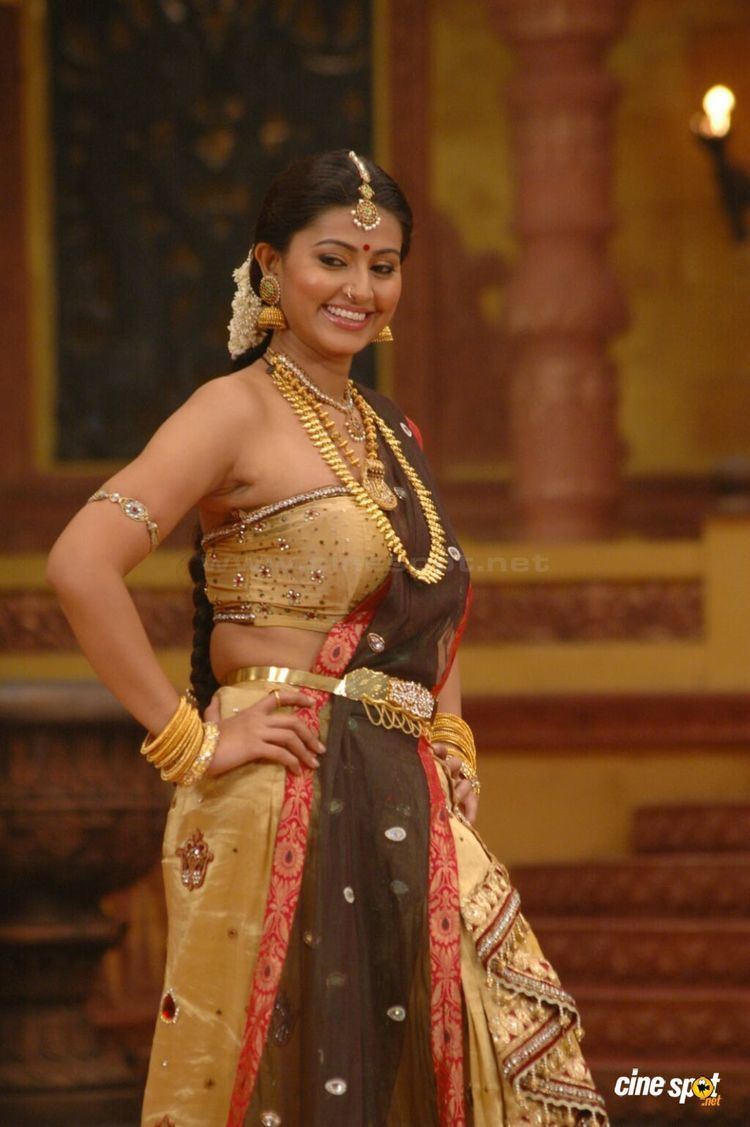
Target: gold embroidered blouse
[305,561]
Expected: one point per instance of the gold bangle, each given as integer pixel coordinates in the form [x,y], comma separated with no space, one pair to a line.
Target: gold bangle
[164,741]
[173,748]
[167,759]
[450,729]
[150,742]
[204,757]
[174,771]
[462,754]
[446,724]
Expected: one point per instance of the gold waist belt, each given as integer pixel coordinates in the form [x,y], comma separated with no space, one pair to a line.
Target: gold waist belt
[389,701]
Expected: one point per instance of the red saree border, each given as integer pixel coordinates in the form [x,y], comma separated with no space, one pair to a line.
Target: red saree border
[445,953]
[288,864]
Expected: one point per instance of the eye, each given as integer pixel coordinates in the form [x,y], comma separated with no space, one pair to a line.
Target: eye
[384,268]
[331,260]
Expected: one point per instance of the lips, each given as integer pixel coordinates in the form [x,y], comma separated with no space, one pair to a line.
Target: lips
[347,318]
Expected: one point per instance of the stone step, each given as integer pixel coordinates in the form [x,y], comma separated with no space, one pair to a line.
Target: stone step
[648,1021]
[715,827]
[661,884]
[625,950]
[655,1111]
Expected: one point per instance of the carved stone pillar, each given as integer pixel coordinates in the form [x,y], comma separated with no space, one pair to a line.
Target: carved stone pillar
[563,302]
[79,817]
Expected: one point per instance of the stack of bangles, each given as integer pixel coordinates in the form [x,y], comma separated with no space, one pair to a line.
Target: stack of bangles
[183,750]
[452,730]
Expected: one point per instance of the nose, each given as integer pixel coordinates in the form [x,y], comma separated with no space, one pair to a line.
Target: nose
[358,291]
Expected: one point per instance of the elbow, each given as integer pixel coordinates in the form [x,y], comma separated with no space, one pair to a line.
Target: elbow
[72,570]
[65,572]
[59,569]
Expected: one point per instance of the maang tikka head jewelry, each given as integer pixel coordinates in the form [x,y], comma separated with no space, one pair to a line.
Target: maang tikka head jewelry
[365,213]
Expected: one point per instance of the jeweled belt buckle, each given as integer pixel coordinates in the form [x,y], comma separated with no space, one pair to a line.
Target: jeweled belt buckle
[359,683]
[413,698]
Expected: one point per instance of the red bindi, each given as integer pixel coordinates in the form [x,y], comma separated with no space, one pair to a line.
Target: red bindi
[366,246]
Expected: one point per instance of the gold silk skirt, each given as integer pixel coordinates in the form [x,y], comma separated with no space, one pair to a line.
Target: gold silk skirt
[513,999]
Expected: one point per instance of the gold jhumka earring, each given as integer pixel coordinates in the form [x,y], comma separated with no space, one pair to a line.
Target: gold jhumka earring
[253,318]
[271,315]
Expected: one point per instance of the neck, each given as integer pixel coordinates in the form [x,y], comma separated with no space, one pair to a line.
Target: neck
[329,372]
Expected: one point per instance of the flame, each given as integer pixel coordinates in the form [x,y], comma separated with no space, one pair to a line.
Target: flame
[718,104]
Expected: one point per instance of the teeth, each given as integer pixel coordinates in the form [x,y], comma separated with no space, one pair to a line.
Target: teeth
[338,312]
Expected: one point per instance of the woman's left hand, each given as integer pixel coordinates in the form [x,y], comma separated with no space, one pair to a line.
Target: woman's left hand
[463,795]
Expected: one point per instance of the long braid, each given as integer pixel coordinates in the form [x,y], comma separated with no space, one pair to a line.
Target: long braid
[201,674]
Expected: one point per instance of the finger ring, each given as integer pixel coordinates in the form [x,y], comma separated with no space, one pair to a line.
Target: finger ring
[277,694]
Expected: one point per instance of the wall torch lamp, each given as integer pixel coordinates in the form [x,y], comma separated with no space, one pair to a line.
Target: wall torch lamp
[712,128]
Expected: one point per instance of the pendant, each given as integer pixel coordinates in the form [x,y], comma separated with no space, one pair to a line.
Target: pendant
[353,425]
[375,485]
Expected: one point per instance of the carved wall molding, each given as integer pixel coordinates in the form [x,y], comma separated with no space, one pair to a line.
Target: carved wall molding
[32,621]
[631,722]
[642,1022]
[672,951]
[719,828]
[638,887]
[588,611]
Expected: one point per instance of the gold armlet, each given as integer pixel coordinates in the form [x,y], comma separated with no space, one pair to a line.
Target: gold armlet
[136,510]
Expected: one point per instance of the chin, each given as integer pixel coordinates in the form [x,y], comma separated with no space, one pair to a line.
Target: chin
[342,344]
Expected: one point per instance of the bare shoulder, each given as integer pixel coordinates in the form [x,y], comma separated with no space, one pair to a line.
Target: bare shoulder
[199,446]
[235,398]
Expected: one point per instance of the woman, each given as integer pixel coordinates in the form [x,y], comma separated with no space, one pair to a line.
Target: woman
[342,947]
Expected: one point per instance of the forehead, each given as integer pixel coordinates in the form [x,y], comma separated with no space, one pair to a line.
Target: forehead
[337,223]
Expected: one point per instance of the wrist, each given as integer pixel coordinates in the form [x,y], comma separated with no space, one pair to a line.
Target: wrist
[184,748]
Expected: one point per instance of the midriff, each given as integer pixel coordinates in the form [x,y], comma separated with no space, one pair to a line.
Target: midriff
[234,646]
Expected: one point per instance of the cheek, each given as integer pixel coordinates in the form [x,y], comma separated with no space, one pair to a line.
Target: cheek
[304,286]
[392,292]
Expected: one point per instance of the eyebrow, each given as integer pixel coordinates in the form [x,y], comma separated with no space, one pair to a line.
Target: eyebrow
[348,246]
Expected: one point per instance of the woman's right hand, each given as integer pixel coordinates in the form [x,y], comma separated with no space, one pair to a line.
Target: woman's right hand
[262,731]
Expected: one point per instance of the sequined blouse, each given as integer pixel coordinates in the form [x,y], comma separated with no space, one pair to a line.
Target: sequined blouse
[305,561]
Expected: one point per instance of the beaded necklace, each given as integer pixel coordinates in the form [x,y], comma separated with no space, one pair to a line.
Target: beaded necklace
[353,426]
[308,411]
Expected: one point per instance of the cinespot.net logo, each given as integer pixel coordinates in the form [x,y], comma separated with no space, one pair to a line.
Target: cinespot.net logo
[682,1088]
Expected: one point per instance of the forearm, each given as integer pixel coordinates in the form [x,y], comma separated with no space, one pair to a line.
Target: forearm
[109,630]
[449,698]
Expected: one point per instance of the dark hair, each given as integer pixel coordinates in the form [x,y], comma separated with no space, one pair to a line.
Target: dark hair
[295,199]
[306,189]
[202,678]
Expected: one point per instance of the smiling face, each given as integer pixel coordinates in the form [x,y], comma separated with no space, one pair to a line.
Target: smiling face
[339,286]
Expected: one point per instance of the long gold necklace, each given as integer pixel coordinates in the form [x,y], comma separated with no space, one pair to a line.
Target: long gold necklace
[373,471]
[437,560]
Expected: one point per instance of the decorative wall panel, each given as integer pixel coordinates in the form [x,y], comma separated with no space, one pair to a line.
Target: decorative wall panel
[170,118]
